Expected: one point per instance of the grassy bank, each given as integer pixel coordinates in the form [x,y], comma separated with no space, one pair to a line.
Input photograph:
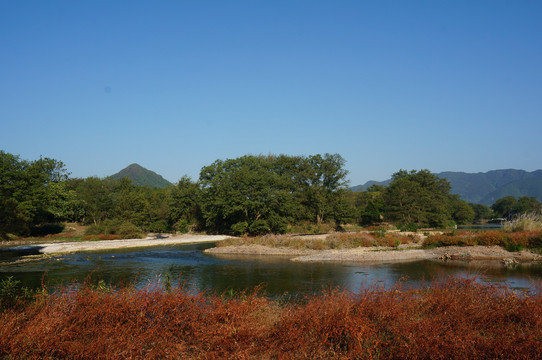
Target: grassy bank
[331,241]
[450,318]
[512,241]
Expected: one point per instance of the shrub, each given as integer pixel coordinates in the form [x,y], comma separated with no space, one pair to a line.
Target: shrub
[159,226]
[240,228]
[127,230]
[456,238]
[12,294]
[412,227]
[183,226]
[259,227]
[450,318]
[278,224]
[491,238]
[349,240]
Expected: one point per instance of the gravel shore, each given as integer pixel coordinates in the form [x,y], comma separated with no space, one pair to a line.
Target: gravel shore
[68,247]
[382,254]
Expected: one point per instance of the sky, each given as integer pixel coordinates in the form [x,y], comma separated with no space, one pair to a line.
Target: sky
[446,85]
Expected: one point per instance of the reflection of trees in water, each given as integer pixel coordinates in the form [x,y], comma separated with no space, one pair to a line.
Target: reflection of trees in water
[190,267]
[277,278]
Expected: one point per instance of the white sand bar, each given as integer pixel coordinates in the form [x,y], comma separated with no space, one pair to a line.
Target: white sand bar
[68,247]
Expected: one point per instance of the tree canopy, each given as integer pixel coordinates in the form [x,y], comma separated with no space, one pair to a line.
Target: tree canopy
[27,189]
[259,194]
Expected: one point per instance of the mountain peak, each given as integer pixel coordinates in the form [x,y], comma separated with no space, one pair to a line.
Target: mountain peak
[141,176]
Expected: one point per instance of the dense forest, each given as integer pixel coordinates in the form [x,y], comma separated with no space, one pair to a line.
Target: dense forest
[247,195]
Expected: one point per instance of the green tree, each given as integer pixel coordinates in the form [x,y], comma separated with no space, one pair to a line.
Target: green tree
[97,198]
[504,207]
[131,203]
[242,190]
[184,205]
[481,212]
[371,206]
[324,180]
[462,213]
[418,197]
[526,204]
[26,192]
[265,193]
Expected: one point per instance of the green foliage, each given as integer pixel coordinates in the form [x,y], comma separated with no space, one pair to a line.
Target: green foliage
[127,230]
[462,213]
[270,192]
[124,229]
[481,212]
[259,227]
[509,206]
[184,205]
[412,227]
[13,294]
[159,226]
[418,197]
[27,192]
[140,176]
[46,229]
[505,206]
[240,228]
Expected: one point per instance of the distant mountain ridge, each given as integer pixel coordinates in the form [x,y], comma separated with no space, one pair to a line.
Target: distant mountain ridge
[141,176]
[486,188]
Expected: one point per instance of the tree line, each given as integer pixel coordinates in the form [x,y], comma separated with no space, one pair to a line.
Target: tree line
[252,194]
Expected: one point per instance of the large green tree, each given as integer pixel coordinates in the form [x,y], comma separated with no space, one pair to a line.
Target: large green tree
[418,197]
[184,205]
[259,194]
[504,207]
[27,192]
[324,180]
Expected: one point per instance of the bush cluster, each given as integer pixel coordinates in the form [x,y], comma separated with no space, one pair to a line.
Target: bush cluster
[122,229]
[448,319]
[512,241]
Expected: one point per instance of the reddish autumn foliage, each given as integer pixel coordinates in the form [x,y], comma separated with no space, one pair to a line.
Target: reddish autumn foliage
[513,240]
[448,319]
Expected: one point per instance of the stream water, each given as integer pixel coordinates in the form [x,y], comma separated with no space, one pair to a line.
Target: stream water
[188,265]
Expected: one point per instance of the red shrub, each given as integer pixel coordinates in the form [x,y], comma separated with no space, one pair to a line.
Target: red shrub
[449,319]
[491,238]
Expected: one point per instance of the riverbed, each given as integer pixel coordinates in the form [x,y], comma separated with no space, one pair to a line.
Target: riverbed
[188,266]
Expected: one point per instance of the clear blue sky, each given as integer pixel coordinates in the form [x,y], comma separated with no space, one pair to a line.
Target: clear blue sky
[174,85]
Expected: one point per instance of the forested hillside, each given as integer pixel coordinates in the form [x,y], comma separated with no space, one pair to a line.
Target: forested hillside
[486,188]
[141,176]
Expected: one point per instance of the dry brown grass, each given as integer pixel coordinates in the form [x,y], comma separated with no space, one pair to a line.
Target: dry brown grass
[448,319]
[512,241]
[331,241]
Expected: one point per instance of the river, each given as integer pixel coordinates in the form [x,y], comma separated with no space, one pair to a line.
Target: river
[188,265]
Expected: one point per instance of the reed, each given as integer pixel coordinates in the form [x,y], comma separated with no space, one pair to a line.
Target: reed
[524,222]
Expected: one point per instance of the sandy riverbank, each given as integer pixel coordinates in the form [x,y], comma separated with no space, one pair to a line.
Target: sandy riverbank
[68,247]
[382,254]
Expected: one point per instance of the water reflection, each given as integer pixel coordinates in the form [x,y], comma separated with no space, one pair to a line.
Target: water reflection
[187,264]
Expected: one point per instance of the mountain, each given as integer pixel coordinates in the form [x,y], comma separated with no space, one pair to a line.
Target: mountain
[141,176]
[486,188]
